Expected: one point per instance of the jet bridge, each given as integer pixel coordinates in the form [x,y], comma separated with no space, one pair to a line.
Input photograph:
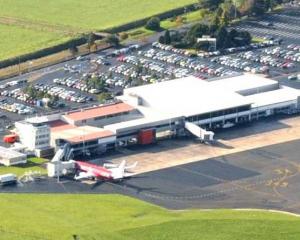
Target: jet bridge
[199,132]
[63,153]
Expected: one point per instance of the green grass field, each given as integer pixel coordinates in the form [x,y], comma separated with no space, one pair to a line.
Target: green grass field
[114,217]
[87,15]
[29,25]
[15,40]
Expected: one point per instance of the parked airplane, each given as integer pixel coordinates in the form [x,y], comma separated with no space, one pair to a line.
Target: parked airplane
[105,172]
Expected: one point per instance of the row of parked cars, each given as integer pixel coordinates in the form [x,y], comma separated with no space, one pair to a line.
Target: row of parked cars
[19,94]
[189,63]
[18,108]
[126,70]
[77,68]
[290,54]
[62,93]
[76,83]
[267,43]
[13,83]
[240,63]
[125,50]
[169,48]
[266,59]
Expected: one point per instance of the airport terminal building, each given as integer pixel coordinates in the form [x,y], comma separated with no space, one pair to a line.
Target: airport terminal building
[186,106]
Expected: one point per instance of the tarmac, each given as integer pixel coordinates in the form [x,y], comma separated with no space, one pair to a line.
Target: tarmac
[264,177]
[174,152]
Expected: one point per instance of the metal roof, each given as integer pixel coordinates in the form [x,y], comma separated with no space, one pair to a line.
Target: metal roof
[81,134]
[284,94]
[100,111]
[59,125]
[186,97]
[6,153]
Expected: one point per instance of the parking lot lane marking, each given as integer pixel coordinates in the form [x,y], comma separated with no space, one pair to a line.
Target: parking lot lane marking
[278,171]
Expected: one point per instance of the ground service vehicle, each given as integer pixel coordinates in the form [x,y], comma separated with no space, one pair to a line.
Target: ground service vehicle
[12,138]
[8,179]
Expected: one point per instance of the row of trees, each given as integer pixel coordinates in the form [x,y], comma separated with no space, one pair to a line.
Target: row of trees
[37,95]
[226,9]
[224,38]
[91,39]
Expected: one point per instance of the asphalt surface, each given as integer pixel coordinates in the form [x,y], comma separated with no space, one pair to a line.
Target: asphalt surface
[285,25]
[266,178]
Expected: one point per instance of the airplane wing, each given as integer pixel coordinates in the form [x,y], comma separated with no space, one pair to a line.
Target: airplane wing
[84,175]
[127,175]
[110,165]
[122,165]
[131,166]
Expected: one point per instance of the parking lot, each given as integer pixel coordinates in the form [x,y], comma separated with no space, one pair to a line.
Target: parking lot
[145,63]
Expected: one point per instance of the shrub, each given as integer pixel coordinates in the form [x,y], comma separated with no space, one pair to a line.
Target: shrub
[153,24]
[123,35]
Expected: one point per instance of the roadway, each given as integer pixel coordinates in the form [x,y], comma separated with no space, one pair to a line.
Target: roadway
[285,25]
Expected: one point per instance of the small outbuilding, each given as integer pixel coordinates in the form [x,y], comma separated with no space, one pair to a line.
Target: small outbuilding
[9,157]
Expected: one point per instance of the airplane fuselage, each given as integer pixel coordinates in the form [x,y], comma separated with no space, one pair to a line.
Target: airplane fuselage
[98,171]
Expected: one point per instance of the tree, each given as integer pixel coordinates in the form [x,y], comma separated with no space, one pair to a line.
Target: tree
[179,20]
[123,35]
[167,37]
[224,20]
[96,83]
[245,37]
[73,48]
[215,20]
[221,36]
[259,7]
[203,13]
[31,91]
[104,96]
[153,24]
[210,4]
[196,31]
[91,39]
[227,11]
[113,40]
[161,39]
[232,35]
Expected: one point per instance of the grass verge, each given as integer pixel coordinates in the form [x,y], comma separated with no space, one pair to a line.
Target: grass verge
[117,217]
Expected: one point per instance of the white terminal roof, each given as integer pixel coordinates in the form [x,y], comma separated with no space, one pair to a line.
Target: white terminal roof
[191,96]
[284,94]
[243,82]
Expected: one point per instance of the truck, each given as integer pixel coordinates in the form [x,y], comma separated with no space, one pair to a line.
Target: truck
[8,179]
[12,138]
